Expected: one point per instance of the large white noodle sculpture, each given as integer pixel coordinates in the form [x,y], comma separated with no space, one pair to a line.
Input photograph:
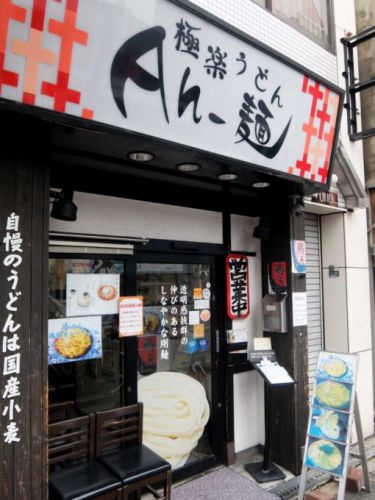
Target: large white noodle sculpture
[176,411]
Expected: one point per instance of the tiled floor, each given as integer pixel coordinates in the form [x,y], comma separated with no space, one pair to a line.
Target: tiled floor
[242,458]
[252,455]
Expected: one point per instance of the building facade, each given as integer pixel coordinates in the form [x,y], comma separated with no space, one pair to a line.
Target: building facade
[117,114]
[366,69]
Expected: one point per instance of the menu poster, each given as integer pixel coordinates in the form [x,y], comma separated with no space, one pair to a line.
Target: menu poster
[92,294]
[273,372]
[331,413]
[131,316]
[299,303]
[74,339]
[298,254]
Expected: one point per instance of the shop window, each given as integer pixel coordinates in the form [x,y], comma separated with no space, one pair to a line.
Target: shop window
[174,359]
[87,361]
[312,17]
[84,353]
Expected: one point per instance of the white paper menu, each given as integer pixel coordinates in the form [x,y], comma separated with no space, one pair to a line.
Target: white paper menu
[274,373]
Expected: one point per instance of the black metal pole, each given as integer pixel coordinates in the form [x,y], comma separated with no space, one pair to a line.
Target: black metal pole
[267,445]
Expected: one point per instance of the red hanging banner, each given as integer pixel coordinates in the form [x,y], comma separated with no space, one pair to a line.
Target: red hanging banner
[238,295]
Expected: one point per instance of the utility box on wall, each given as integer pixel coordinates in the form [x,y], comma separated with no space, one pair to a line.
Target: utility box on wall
[274,313]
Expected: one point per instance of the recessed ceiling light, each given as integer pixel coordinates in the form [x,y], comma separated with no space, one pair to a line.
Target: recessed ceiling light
[260,185]
[227,177]
[141,156]
[188,167]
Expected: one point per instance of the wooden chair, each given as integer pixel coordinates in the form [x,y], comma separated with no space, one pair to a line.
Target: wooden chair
[119,447]
[60,411]
[74,473]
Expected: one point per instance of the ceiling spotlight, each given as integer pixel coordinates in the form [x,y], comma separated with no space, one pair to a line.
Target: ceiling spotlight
[260,185]
[63,207]
[188,167]
[227,177]
[141,156]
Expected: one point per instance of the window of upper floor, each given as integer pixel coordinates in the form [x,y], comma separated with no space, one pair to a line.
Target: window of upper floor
[314,18]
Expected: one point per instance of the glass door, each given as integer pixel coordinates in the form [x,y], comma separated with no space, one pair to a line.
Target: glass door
[175,359]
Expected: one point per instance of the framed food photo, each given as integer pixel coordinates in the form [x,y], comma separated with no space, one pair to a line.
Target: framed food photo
[338,367]
[326,423]
[94,294]
[326,455]
[333,394]
[74,339]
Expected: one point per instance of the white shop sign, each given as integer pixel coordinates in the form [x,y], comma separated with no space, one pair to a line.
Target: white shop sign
[154,67]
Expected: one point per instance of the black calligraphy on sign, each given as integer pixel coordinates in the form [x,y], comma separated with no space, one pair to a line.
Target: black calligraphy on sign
[186,41]
[125,66]
[276,97]
[242,59]
[186,97]
[257,116]
[262,75]
[216,64]
[238,300]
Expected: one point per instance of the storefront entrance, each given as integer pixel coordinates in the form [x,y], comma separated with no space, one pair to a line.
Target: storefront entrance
[173,368]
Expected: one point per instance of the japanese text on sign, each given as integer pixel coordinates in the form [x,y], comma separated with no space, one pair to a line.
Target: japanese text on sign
[238,300]
[131,316]
[11,330]
[165,61]
[174,316]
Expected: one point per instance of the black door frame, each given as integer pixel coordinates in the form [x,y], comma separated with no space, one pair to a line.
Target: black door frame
[162,251]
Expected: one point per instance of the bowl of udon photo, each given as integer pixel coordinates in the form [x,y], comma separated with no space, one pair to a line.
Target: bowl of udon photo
[106,292]
[73,342]
[333,394]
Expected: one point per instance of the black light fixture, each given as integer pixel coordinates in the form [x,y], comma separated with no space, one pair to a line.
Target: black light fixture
[260,184]
[188,167]
[63,207]
[142,156]
[227,176]
[263,229]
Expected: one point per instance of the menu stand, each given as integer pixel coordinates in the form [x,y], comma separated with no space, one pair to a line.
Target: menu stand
[328,448]
[362,455]
[266,470]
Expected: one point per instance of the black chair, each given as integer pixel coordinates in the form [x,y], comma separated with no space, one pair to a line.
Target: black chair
[74,473]
[119,447]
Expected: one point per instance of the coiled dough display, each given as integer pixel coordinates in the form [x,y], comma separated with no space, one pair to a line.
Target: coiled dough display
[176,411]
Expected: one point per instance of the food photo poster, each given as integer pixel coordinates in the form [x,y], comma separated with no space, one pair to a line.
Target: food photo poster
[326,423]
[74,339]
[326,455]
[94,294]
[328,435]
